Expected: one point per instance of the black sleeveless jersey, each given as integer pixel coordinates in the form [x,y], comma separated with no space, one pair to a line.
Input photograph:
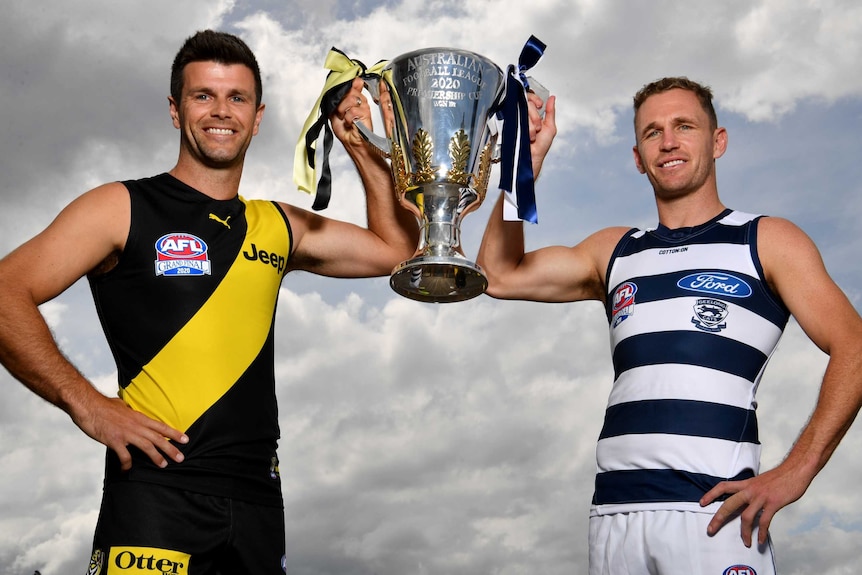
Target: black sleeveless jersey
[188,313]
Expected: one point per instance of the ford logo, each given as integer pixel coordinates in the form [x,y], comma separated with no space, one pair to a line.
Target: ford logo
[716,283]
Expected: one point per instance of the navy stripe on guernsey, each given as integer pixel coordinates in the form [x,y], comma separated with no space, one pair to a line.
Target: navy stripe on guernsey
[681,417]
[693,348]
[688,354]
[658,485]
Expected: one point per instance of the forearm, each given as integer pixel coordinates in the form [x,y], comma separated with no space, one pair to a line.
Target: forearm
[501,250]
[837,405]
[393,224]
[30,354]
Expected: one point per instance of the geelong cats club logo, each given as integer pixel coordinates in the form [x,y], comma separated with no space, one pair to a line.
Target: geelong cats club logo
[181,254]
[709,315]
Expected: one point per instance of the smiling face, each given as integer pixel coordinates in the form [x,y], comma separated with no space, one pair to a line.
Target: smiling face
[217,114]
[677,145]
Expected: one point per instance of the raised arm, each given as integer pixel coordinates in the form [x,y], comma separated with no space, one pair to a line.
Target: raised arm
[552,274]
[829,319]
[340,249]
[83,235]
[549,274]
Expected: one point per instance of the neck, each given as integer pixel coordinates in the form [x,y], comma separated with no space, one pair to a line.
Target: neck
[217,183]
[688,211]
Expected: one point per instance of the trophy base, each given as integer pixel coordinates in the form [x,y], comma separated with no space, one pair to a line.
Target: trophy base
[438,279]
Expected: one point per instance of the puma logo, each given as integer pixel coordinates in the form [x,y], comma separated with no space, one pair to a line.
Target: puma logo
[223,222]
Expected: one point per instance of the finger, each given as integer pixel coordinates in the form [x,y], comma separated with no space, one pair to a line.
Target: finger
[149,449]
[729,509]
[350,100]
[723,488]
[763,526]
[550,111]
[745,530]
[124,456]
[161,439]
[712,495]
[534,99]
[165,430]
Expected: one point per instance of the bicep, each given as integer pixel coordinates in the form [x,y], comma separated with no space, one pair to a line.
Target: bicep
[795,271]
[80,237]
[336,248]
[560,273]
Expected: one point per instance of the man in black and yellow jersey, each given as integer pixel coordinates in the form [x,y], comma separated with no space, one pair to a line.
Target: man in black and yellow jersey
[185,275]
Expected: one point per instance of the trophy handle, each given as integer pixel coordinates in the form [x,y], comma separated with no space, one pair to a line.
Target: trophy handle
[379,143]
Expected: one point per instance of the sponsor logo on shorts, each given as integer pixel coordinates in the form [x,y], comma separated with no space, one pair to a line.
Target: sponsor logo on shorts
[97,559]
[147,561]
[623,303]
[181,255]
[716,283]
[739,570]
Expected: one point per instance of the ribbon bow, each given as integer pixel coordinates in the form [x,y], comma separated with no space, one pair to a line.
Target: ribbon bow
[516,134]
[342,71]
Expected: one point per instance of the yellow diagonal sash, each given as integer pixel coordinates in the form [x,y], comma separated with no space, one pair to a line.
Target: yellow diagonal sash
[210,353]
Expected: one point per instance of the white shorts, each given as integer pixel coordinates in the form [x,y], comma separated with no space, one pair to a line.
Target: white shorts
[673,542]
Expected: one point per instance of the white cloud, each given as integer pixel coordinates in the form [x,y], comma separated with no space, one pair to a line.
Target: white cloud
[417,438]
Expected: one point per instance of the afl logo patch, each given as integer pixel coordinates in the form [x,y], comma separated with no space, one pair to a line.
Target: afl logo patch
[181,254]
[623,303]
[739,570]
[716,283]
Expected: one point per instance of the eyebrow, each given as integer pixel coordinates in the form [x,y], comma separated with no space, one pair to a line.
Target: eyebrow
[675,121]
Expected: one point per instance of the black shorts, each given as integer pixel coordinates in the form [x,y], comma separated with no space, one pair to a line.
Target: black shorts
[156,530]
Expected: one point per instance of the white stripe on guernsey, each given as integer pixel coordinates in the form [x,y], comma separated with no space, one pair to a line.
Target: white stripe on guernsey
[716,457]
[678,381]
[737,218]
[721,256]
[664,315]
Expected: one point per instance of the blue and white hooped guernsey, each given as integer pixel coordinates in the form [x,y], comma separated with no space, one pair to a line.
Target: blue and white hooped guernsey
[692,326]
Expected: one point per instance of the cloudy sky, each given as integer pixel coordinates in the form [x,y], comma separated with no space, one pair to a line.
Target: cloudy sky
[420,438]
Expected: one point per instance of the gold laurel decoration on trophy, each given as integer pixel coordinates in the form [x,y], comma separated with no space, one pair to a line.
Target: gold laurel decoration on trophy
[459,153]
[399,170]
[483,174]
[422,150]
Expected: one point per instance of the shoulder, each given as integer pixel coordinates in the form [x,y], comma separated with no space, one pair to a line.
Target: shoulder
[778,236]
[786,252]
[106,206]
[604,242]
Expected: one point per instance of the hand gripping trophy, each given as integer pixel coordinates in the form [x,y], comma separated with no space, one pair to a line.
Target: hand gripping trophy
[442,110]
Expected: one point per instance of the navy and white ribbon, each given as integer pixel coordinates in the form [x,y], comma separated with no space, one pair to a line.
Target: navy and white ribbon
[516,167]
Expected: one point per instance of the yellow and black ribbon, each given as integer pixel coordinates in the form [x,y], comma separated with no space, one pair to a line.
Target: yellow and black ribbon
[342,71]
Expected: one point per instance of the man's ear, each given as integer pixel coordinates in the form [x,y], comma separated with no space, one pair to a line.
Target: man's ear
[638,162]
[719,143]
[175,114]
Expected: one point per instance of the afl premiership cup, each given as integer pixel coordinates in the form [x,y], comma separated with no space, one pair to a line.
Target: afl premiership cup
[438,107]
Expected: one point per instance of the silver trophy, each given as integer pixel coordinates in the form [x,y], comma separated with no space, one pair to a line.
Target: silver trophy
[436,104]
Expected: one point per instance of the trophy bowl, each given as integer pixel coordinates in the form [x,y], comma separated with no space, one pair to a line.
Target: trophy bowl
[437,105]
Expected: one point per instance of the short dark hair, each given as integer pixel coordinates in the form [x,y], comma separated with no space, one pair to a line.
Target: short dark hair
[221,47]
[703,93]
